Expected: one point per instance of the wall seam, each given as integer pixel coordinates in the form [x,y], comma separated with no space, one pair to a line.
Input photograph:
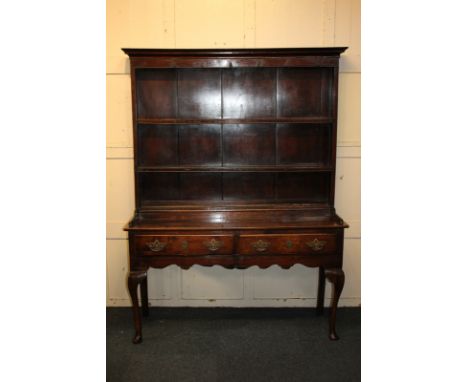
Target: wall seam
[175,28]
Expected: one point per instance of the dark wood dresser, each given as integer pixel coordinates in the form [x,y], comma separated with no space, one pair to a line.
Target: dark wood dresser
[235,155]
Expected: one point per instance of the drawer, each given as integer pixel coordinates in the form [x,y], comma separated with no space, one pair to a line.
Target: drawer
[188,245]
[294,244]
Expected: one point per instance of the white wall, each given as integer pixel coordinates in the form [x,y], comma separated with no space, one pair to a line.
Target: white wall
[230,24]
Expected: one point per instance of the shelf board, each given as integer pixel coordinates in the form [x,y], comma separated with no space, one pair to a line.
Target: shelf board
[178,121]
[224,205]
[234,219]
[272,168]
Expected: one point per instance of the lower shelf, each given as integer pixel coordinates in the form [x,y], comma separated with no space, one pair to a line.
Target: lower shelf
[216,187]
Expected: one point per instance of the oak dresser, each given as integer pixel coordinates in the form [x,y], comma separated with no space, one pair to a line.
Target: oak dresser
[234,159]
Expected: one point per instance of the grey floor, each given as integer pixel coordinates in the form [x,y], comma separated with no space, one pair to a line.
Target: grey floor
[224,344]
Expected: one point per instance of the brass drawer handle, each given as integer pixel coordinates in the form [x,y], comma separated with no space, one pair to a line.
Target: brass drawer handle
[316,245]
[261,245]
[213,244]
[156,245]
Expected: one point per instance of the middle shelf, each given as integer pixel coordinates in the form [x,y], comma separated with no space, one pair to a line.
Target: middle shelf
[272,168]
[234,147]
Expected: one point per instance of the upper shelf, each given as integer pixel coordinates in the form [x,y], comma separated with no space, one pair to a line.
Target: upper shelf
[180,121]
[259,94]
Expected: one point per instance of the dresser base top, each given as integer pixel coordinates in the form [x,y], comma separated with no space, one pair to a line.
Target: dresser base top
[252,218]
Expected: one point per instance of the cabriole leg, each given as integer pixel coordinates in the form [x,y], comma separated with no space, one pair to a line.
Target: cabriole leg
[320,291]
[135,278]
[144,296]
[336,277]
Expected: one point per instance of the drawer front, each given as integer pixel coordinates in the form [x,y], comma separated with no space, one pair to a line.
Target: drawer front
[190,245]
[295,244]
